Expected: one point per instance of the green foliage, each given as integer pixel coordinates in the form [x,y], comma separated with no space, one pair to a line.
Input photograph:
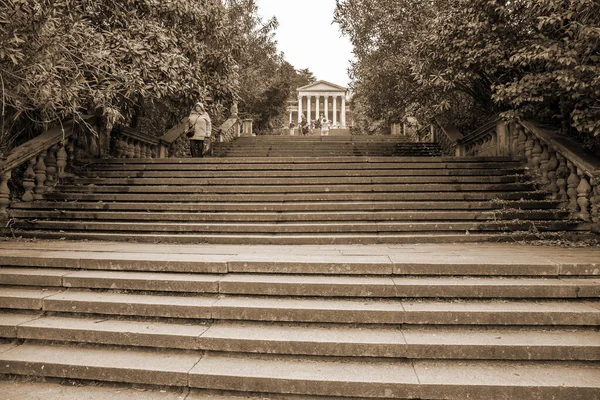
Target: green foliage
[60,59]
[266,80]
[463,60]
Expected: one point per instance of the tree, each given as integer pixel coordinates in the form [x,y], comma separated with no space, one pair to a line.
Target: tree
[61,59]
[266,80]
[464,59]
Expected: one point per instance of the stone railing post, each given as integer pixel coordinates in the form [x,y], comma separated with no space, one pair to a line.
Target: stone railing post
[551,168]
[4,193]
[51,168]
[29,181]
[40,176]
[562,173]
[503,139]
[583,193]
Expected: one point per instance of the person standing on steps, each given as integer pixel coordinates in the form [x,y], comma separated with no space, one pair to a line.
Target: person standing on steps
[303,126]
[200,128]
[324,126]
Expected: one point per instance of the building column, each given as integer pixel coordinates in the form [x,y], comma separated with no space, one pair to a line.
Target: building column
[317,108]
[299,109]
[291,118]
[335,110]
[344,111]
[308,108]
[327,108]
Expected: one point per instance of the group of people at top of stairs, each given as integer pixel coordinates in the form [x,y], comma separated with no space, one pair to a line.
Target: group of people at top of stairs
[304,127]
[200,128]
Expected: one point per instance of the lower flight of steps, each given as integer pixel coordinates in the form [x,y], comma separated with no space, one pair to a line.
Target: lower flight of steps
[295,200]
[324,146]
[272,322]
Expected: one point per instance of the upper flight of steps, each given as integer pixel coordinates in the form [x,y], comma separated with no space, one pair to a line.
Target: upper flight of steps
[324,146]
[296,200]
[418,323]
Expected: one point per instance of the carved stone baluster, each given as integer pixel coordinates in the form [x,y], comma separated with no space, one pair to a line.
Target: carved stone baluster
[572,183]
[130,149]
[146,150]
[528,151]
[536,156]
[153,151]
[544,158]
[40,176]
[120,148]
[61,161]
[595,200]
[551,168]
[50,161]
[562,173]
[584,189]
[4,192]
[521,141]
[29,181]
[514,140]
[71,153]
[137,151]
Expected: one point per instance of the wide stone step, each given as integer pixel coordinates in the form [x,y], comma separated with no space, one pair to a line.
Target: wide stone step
[290,181]
[299,197]
[307,285]
[292,164]
[403,260]
[207,174]
[507,207]
[308,238]
[286,309]
[265,216]
[314,339]
[310,376]
[300,227]
[307,188]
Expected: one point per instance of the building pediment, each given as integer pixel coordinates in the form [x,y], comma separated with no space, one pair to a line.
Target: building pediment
[322,86]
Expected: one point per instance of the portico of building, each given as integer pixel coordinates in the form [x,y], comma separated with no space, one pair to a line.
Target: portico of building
[318,99]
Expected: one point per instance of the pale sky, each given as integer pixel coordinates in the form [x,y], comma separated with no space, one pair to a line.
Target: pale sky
[309,39]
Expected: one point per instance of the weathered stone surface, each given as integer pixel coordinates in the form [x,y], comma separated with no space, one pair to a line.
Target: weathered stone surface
[302,285]
[16,390]
[310,339]
[9,323]
[503,381]
[316,377]
[500,313]
[131,304]
[103,364]
[309,310]
[164,282]
[32,277]
[115,332]
[24,299]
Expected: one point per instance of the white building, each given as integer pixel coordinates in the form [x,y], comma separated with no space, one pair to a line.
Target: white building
[318,98]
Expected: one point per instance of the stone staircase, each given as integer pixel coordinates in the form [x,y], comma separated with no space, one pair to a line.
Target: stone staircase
[404,322]
[324,146]
[331,319]
[268,196]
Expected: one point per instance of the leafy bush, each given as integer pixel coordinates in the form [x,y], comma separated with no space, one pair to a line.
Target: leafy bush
[464,60]
[60,59]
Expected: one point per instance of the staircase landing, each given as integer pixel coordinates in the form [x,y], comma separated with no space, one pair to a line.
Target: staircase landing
[482,321]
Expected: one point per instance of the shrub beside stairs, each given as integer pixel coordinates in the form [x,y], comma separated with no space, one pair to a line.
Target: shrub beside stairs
[418,321]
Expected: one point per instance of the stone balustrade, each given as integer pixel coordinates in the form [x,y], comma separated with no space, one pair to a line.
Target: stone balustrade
[44,161]
[129,143]
[558,164]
